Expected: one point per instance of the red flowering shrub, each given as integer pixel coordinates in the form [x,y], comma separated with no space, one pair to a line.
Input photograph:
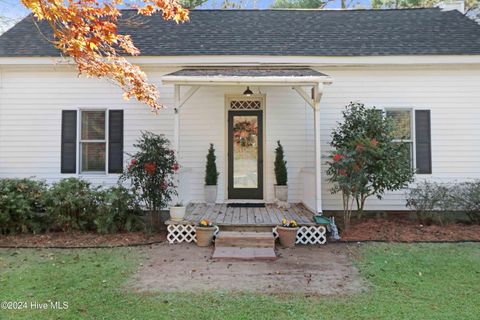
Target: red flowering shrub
[366,161]
[151,171]
[175,167]
[150,168]
[337,157]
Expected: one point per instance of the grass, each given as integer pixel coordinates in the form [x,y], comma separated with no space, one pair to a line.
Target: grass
[407,281]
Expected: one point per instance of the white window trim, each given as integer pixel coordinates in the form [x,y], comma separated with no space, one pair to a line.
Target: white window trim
[412,139]
[79,142]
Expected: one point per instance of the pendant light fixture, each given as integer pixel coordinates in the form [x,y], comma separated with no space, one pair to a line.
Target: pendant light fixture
[247,92]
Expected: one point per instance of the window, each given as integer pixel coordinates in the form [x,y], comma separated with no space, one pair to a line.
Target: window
[93,141]
[403,119]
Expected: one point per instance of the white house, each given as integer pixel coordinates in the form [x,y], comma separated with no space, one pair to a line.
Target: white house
[302,68]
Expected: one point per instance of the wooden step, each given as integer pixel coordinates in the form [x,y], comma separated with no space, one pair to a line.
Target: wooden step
[244,253]
[245,239]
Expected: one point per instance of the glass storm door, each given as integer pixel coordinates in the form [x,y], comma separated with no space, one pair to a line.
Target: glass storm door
[245,155]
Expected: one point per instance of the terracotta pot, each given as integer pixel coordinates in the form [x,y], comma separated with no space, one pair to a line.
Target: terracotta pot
[177,213]
[281,192]
[287,236]
[204,236]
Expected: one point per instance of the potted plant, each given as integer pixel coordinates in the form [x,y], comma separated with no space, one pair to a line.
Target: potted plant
[204,233]
[287,233]
[211,176]
[177,211]
[281,188]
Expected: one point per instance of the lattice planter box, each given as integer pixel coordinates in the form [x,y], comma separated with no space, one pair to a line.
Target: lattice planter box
[308,235]
[178,233]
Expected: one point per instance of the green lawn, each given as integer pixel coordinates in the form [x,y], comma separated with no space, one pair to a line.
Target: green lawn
[408,281]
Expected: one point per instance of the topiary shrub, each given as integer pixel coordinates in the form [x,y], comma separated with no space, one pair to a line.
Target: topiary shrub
[280,166]
[22,205]
[119,211]
[73,204]
[211,173]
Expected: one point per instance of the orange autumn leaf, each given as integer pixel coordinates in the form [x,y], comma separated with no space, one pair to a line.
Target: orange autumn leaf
[86,31]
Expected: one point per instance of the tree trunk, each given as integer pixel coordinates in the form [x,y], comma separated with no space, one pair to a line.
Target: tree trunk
[347,209]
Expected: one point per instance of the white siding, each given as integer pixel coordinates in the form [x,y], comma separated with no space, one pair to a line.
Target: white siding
[30,119]
[31,104]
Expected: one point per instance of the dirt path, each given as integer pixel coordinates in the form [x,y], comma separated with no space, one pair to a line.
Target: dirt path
[320,270]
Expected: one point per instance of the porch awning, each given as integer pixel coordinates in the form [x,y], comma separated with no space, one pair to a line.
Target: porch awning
[247,75]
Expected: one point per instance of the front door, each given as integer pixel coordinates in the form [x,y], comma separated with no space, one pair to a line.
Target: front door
[245,154]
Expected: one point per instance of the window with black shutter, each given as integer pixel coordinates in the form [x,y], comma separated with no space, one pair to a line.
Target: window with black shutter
[115,141]
[69,142]
[96,147]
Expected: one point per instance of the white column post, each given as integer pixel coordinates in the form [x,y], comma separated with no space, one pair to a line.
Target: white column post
[176,134]
[176,109]
[318,165]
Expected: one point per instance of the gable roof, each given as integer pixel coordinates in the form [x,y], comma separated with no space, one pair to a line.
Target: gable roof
[280,32]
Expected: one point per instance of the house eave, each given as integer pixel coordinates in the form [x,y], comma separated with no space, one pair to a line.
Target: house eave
[265,81]
[259,60]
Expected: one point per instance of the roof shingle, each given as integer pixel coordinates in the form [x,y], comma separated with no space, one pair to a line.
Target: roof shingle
[281,32]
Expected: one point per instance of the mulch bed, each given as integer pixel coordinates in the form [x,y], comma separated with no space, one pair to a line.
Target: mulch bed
[371,229]
[404,230]
[80,240]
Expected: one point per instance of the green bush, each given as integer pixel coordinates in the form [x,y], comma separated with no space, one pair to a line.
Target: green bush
[430,200]
[435,200]
[152,171]
[21,205]
[119,211]
[466,197]
[73,204]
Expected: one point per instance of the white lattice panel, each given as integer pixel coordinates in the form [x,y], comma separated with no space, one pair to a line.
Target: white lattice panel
[178,233]
[308,235]
[245,105]
[311,235]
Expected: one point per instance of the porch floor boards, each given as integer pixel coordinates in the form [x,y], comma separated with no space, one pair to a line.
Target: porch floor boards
[221,215]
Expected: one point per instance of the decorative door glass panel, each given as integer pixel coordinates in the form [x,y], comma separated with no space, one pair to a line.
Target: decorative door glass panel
[245,151]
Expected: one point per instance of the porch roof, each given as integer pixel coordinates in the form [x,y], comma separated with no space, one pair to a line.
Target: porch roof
[247,75]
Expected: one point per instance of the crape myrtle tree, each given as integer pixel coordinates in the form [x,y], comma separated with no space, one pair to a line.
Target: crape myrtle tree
[366,159]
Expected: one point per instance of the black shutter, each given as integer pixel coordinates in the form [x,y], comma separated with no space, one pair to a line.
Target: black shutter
[69,142]
[423,141]
[115,141]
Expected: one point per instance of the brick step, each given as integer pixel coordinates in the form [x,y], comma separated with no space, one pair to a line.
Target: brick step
[245,239]
[244,253]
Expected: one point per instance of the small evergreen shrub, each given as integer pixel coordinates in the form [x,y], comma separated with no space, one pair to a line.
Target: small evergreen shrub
[119,211]
[280,166]
[211,173]
[73,204]
[22,205]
